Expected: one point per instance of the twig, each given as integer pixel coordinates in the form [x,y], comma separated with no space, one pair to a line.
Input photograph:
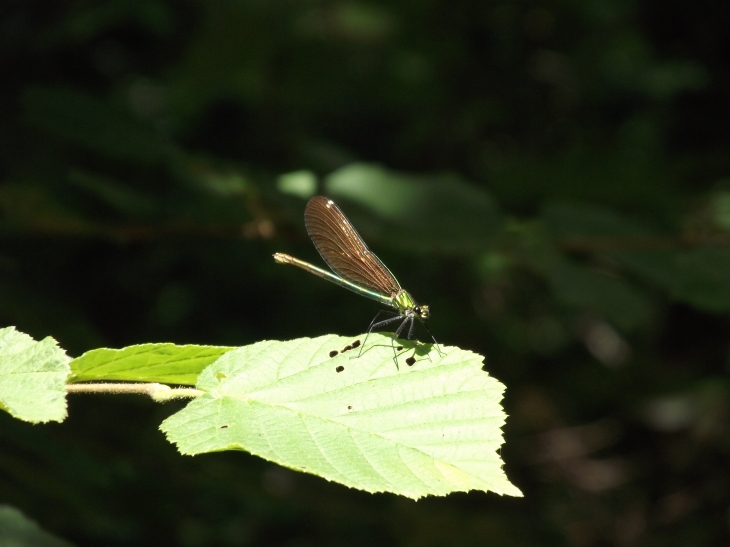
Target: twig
[158,392]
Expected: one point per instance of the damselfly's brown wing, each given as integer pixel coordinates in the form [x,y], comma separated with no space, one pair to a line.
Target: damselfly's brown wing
[343,249]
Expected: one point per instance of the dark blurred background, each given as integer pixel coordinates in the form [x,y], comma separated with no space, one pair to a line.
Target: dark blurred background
[553,177]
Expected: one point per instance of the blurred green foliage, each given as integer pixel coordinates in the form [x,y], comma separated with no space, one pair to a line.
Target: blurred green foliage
[552,177]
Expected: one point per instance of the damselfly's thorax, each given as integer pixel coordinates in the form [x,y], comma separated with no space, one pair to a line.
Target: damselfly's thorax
[404,303]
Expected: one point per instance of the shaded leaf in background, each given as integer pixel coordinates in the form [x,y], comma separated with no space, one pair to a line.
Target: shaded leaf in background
[429,429]
[700,277]
[568,220]
[33,207]
[16,530]
[616,300]
[80,118]
[721,208]
[302,184]
[32,377]
[113,193]
[427,213]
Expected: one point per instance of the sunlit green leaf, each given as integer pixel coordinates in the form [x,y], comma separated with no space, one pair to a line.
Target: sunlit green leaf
[167,363]
[426,429]
[32,377]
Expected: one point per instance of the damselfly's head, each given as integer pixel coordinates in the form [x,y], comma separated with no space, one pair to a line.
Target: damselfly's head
[422,311]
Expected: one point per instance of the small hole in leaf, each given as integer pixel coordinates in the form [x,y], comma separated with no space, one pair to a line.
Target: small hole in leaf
[399,348]
[356,344]
[340,368]
[224,427]
[333,352]
[410,361]
[346,348]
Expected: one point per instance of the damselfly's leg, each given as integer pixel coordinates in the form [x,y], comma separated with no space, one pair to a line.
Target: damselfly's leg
[375,324]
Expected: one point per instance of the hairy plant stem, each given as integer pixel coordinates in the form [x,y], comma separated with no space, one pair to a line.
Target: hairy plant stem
[158,392]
